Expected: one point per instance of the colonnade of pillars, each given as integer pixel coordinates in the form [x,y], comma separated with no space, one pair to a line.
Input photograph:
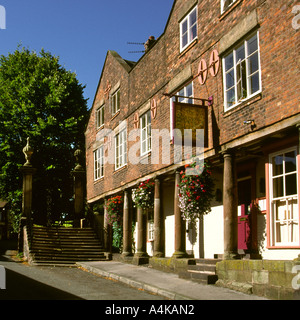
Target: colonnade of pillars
[230,219]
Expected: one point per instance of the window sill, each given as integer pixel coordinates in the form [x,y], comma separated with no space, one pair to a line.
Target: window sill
[99,180]
[188,48]
[145,156]
[229,9]
[115,115]
[256,97]
[100,128]
[283,247]
[120,169]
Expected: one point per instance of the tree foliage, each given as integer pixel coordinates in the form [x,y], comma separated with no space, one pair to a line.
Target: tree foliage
[39,99]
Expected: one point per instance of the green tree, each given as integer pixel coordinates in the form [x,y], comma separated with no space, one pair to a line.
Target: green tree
[39,99]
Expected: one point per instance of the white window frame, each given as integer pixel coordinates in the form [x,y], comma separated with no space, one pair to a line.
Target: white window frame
[235,69]
[121,149]
[115,102]
[223,9]
[150,230]
[184,92]
[188,21]
[100,117]
[145,125]
[99,163]
[280,224]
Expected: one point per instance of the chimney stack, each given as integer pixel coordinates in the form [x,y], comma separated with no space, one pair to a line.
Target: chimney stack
[149,44]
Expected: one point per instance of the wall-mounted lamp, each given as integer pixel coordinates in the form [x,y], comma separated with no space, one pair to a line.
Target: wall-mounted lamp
[251,122]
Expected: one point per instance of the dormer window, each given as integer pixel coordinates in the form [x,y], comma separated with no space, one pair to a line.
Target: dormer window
[188,29]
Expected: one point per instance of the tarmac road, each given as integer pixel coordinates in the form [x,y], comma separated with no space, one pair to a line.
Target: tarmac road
[24,282]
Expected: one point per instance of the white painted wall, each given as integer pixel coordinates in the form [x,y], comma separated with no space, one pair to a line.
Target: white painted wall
[169,236]
[213,233]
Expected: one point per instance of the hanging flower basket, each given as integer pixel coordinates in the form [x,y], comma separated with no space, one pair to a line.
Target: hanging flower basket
[195,190]
[143,196]
[114,208]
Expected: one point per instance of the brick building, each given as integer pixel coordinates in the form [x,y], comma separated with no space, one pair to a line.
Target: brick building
[240,60]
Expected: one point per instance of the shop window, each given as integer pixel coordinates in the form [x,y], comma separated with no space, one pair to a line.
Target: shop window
[188,29]
[284,217]
[241,72]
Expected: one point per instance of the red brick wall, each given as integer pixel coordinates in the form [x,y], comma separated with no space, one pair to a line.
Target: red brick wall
[279,99]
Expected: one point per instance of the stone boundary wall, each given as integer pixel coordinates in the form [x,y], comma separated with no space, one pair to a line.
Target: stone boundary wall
[272,279]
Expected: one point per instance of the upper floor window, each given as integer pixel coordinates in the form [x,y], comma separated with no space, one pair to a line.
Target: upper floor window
[121,149]
[225,4]
[100,117]
[99,163]
[115,102]
[188,29]
[186,94]
[145,132]
[241,72]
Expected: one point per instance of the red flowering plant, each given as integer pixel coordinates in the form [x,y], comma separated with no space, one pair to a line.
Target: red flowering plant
[143,196]
[196,190]
[114,208]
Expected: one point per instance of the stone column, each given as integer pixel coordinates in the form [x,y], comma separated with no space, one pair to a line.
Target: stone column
[127,226]
[141,256]
[28,171]
[107,234]
[158,250]
[79,189]
[230,204]
[180,251]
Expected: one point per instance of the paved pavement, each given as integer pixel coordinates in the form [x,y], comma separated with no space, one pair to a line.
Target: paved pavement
[167,285]
[161,284]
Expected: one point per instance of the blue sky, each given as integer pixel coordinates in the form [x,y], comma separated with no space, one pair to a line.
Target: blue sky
[81,32]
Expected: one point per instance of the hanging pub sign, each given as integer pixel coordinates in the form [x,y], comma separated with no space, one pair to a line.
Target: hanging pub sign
[188,119]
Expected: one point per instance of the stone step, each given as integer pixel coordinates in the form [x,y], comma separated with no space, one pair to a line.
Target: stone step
[66,256]
[203,267]
[204,271]
[64,246]
[62,241]
[67,248]
[207,261]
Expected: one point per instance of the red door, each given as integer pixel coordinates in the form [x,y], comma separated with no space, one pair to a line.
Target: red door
[244,201]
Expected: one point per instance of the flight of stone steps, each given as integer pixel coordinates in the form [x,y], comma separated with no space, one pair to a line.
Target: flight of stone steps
[64,246]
